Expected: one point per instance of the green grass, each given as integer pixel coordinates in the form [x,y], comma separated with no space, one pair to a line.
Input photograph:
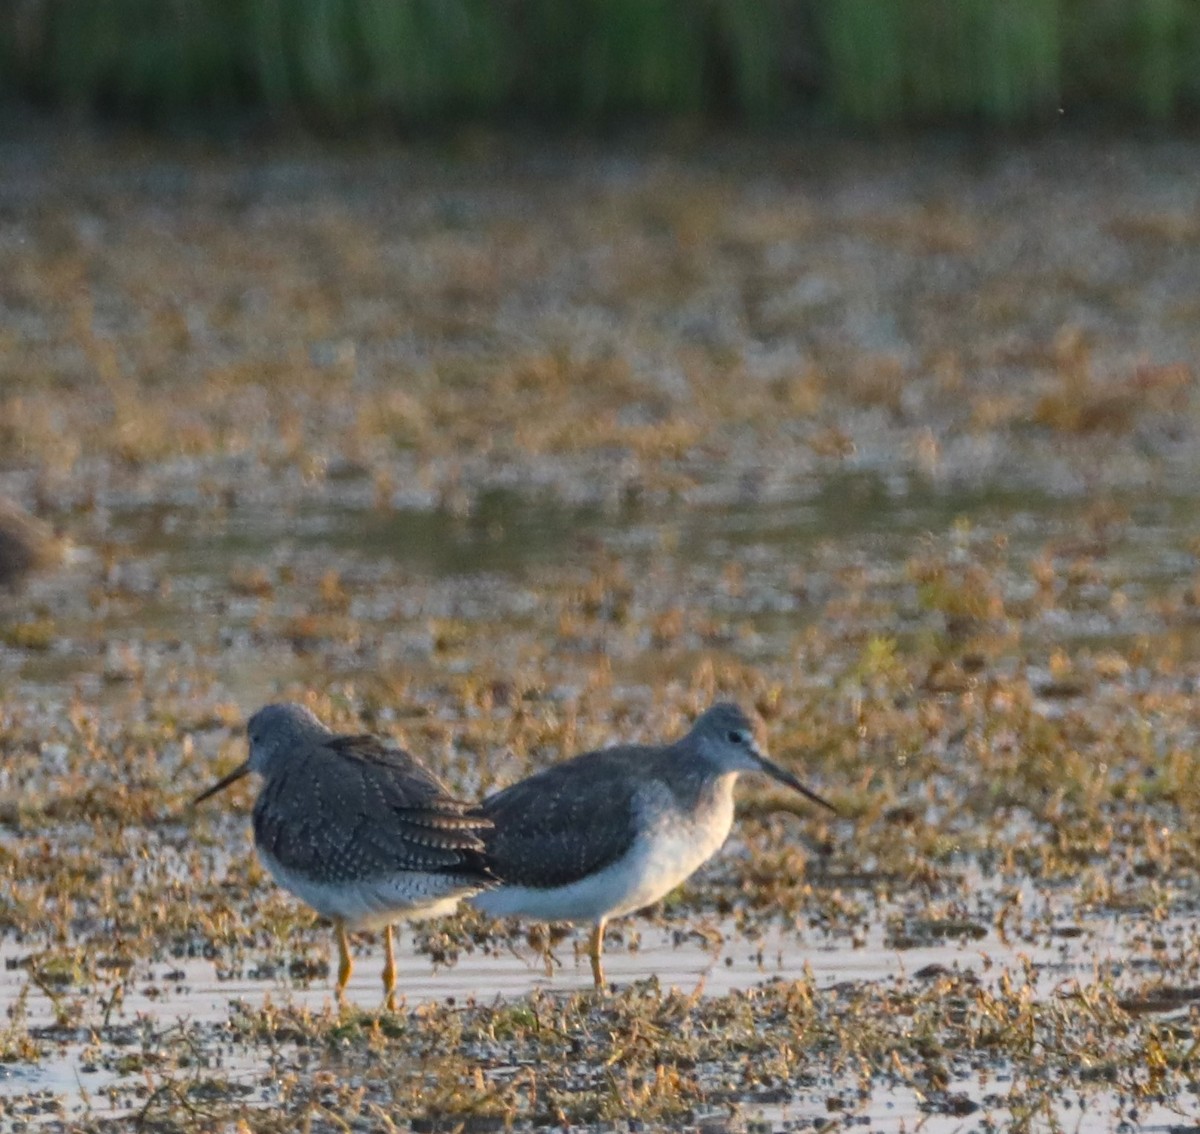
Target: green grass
[863,62]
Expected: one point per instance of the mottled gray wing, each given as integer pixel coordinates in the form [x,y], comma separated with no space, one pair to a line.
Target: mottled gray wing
[354,808]
[565,822]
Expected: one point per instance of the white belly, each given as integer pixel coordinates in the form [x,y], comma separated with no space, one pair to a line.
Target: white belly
[374,903]
[670,847]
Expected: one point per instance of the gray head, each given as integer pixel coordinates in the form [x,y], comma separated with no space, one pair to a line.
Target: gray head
[274,732]
[724,737]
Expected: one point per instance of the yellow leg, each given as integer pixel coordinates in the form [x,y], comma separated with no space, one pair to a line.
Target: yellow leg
[345,964]
[595,948]
[389,970]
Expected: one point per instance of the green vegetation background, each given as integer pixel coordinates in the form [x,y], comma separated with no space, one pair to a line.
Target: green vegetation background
[410,62]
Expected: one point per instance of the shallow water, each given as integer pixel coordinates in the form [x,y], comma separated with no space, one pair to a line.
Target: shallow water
[489,570]
[704,956]
[490,566]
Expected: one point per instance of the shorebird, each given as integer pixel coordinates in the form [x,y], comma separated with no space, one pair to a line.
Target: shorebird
[357,829]
[612,831]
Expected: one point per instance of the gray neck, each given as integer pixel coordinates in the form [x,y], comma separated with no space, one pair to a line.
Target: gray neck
[696,780]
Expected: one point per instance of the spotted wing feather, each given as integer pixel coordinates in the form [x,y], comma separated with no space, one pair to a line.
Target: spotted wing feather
[352,808]
[566,822]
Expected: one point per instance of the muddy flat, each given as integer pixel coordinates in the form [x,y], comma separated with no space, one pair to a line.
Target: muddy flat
[508,449]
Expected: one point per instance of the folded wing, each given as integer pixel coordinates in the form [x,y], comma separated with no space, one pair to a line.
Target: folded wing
[378,813]
[564,823]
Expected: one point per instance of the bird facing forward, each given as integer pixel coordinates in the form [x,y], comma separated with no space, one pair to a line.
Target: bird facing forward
[614,830]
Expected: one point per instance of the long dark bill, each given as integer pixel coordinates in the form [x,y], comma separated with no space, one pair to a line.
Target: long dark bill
[785,777]
[237,773]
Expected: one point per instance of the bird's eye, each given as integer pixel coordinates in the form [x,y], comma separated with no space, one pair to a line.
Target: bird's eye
[736,736]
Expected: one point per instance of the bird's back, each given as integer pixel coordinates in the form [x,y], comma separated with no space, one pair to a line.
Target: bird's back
[350,808]
[571,819]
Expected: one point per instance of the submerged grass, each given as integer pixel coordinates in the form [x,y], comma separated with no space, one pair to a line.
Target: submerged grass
[663,1056]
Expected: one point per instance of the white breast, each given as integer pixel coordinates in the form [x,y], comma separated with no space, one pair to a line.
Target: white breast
[375,902]
[670,846]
